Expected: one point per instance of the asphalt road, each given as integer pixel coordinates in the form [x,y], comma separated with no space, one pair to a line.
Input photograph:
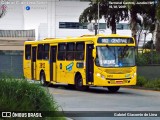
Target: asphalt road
[100,100]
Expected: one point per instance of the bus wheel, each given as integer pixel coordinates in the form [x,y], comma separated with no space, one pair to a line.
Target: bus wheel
[70,86]
[113,89]
[79,83]
[43,79]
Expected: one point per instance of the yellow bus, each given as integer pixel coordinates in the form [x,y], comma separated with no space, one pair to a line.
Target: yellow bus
[101,60]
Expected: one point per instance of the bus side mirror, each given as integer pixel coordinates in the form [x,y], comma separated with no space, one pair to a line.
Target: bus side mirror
[94,53]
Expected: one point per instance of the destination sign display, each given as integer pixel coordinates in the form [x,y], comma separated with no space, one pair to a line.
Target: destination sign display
[115,40]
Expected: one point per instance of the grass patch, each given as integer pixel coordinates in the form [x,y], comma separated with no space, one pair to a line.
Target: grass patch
[141,81]
[148,58]
[152,84]
[20,95]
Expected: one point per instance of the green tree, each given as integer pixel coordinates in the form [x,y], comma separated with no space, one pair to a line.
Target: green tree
[157,30]
[145,10]
[111,13]
[148,27]
[90,14]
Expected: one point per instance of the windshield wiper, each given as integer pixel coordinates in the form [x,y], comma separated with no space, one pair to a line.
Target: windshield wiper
[124,51]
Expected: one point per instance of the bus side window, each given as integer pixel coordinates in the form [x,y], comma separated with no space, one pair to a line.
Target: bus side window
[70,51]
[28,52]
[40,52]
[61,51]
[46,52]
[79,54]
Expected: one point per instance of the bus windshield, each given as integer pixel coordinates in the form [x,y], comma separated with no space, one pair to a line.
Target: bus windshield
[115,56]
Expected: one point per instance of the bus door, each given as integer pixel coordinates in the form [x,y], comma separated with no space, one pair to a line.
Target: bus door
[33,63]
[61,62]
[53,71]
[89,63]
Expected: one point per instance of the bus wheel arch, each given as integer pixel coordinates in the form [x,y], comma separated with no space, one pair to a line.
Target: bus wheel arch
[79,82]
[43,78]
[113,89]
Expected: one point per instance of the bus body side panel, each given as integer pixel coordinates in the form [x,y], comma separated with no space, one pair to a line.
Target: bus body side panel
[27,68]
[89,64]
[65,72]
[70,68]
[27,62]
[60,71]
[47,69]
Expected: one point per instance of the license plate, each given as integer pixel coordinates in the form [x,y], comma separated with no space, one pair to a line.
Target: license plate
[119,82]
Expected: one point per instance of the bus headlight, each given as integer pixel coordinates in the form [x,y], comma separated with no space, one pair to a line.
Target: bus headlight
[133,75]
[100,75]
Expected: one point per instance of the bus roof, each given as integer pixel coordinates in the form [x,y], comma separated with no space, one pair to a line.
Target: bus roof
[74,39]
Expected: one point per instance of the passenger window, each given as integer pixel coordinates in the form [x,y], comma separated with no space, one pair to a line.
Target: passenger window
[28,52]
[61,51]
[46,52]
[79,54]
[40,52]
[70,51]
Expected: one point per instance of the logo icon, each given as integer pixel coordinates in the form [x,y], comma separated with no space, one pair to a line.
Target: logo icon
[6,114]
[28,8]
[69,67]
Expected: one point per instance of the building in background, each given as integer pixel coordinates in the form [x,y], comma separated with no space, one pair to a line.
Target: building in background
[14,39]
[11,50]
[52,18]
[42,31]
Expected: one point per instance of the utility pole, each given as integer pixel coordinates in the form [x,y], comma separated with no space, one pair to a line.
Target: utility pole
[98,17]
[96,26]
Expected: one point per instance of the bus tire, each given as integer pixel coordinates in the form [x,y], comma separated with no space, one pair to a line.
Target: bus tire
[70,86]
[79,83]
[43,79]
[113,89]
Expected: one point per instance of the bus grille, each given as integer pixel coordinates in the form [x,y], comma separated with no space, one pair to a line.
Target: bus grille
[119,70]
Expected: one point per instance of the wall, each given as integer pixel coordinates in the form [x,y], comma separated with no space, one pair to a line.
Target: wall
[150,72]
[12,65]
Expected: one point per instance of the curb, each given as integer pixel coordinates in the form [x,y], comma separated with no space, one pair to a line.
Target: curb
[142,88]
[68,118]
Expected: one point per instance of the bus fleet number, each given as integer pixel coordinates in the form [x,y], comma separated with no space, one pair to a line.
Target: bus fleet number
[42,65]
